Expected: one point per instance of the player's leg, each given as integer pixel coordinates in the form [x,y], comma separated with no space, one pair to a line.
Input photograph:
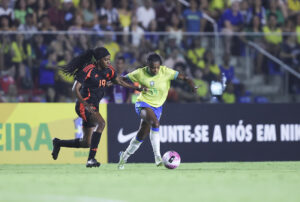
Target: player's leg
[73,143]
[95,139]
[151,117]
[88,128]
[85,141]
[135,143]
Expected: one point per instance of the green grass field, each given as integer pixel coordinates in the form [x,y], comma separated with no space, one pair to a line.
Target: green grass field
[224,182]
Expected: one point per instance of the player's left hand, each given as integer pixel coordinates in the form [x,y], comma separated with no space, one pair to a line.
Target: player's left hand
[109,83]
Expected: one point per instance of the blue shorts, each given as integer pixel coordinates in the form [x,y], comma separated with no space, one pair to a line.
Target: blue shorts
[139,105]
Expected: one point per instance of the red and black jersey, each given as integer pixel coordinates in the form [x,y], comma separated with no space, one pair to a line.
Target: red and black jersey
[93,82]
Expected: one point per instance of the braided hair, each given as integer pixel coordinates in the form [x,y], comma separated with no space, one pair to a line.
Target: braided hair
[79,62]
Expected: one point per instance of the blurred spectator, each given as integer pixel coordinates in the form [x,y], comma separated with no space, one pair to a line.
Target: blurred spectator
[81,43]
[102,26]
[243,96]
[116,93]
[192,18]
[244,8]
[209,62]
[255,27]
[216,8]
[293,7]
[257,9]
[10,90]
[111,13]
[6,82]
[28,26]
[273,37]
[137,32]
[254,31]
[42,9]
[164,13]
[31,4]
[40,52]
[62,43]
[231,21]
[6,66]
[290,54]
[47,76]
[274,8]
[39,48]
[5,10]
[21,53]
[125,14]
[228,95]
[78,24]
[6,23]
[289,51]
[298,28]
[145,14]
[69,13]
[21,11]
[111,46]
[195,53]
[46,25]
[88,11]
[153,39]
[289,25]
[203,88]
[56,15]
[174,58]
[227,69]
[175,29]
[211,71]
[63,82]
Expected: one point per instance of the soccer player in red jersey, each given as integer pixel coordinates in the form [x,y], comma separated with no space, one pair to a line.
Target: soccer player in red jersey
[90,82]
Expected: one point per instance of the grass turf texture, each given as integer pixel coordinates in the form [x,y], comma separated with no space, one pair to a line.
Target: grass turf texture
[260,181]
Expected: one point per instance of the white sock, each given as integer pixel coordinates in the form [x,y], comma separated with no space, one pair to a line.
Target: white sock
[155,141]
[132,147]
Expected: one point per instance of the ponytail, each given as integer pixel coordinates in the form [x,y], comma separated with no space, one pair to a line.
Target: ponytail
[78,63]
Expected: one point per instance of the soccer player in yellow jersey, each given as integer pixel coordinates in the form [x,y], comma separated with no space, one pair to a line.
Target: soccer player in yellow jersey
[156,78]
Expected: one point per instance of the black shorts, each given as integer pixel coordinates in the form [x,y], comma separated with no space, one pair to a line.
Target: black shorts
[86,116]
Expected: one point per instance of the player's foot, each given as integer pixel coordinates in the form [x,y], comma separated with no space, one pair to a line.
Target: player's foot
[92,163]
[56,148]
[122,161]
[158,161]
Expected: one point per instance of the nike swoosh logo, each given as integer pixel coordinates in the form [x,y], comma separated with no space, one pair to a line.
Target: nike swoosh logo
[125,138]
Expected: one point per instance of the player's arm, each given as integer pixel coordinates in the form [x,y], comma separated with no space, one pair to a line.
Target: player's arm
[188,80]
[121,81]
[76,90]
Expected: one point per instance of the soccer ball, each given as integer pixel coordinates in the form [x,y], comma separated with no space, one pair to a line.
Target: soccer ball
[171,159]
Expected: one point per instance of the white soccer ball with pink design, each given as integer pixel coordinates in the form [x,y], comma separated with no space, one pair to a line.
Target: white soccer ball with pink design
[171,159]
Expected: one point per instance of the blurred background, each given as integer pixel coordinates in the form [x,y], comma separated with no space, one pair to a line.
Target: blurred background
[253,43]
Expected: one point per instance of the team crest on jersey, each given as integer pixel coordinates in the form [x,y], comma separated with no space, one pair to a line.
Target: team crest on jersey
[151,83]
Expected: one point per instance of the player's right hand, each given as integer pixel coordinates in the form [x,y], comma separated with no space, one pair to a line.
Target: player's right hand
[142,88]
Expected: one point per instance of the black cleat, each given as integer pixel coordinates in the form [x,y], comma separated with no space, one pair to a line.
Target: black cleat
[56,148]
[92,163]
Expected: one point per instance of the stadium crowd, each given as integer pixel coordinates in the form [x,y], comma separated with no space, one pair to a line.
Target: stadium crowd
[31,48]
